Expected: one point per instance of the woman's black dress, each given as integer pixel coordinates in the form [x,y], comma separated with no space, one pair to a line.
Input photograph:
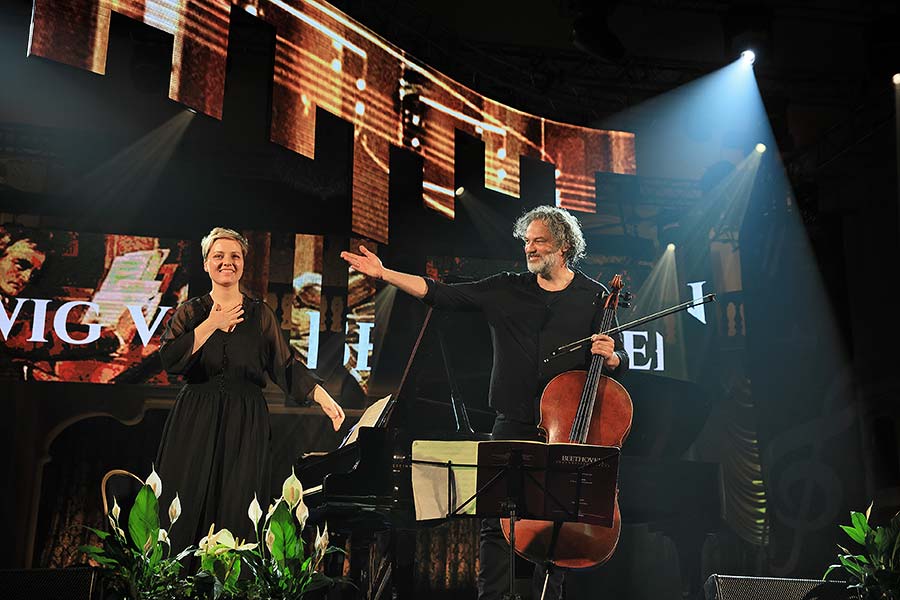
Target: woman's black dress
[214,450]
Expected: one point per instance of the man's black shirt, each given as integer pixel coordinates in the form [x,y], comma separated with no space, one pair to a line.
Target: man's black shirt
[527,323]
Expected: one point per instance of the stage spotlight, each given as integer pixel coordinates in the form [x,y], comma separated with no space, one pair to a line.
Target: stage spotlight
[670,247]
[760,147]
[460,191]
[896,79]
[748,56]
[191,110]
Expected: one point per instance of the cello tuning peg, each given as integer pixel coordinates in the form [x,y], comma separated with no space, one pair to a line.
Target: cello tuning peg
[626,296]
[624,304]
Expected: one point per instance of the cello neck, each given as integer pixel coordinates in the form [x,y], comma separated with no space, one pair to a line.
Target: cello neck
[581,424]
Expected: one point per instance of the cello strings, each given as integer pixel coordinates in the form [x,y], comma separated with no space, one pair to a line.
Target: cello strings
[581,424]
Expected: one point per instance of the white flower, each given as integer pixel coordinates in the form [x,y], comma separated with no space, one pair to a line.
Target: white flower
[174,510]
[302,513]
[292,490]
[321,543]
[221,542]
[270,540]
[254,512]
[163,536]
[155,483]
[205,542]
[116,510]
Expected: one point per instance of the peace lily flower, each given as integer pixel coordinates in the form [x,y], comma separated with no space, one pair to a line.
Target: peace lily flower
[292,490]
[163,536]
[254,512]
[270,540]
[321,543]
[155,483]
[302,513]
[116,510]
[174,510]
[221,542]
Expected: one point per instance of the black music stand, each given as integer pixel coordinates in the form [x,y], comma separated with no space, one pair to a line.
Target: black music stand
[533,480]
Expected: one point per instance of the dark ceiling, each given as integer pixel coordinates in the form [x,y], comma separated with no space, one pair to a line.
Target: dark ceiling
[822,65]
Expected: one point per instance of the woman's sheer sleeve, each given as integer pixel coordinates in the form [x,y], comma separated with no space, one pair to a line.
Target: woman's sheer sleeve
[177,343]
[283,365]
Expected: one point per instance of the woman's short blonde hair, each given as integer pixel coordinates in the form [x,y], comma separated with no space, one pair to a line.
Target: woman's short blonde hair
[219,233]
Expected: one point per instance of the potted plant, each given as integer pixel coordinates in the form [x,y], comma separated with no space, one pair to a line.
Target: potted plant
[874,572]
[140,564]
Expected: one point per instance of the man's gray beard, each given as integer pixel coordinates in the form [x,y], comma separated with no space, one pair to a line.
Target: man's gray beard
[543,269]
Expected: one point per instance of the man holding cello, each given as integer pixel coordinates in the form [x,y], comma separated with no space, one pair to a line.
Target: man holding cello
[530,315]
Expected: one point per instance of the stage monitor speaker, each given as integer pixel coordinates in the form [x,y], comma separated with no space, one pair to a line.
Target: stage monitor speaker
[75,583]
[733,587]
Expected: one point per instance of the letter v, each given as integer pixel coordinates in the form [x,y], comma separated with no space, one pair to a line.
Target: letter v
[138,317]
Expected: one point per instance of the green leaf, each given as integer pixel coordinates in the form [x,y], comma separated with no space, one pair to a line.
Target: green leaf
[232,572]
[143,520]
[830,569]
[286,544]
[92,550]
[860,522]
[856,535]
[851,566]
[99,533]
[895,551]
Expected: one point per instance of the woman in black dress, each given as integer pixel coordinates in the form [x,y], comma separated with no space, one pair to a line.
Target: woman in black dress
[215,445]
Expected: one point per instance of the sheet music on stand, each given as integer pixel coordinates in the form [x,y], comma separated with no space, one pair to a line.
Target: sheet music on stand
[560,482]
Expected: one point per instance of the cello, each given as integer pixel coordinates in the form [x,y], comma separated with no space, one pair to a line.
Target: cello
[579,407]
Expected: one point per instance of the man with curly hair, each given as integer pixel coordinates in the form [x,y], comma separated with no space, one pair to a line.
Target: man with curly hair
[530,315]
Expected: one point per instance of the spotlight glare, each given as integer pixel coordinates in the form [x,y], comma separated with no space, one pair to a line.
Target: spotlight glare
[760,147]
[748,56]
[460,191]
[670,247]
[896,78]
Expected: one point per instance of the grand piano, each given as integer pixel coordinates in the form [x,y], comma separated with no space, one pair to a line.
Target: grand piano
[363,488]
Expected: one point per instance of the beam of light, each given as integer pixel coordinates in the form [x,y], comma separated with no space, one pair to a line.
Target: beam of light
[127,178]
[661,290]
[493,228]
[384,308]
